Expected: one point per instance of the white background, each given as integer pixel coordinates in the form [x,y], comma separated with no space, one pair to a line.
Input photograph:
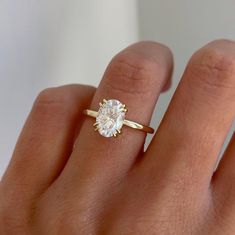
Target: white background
[53,42]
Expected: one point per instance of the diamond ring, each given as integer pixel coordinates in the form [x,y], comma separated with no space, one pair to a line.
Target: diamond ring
[110,119]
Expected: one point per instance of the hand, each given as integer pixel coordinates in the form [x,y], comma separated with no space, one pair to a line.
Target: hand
[109,185]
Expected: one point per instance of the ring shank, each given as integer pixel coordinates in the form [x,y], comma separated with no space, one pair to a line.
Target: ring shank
[128,123]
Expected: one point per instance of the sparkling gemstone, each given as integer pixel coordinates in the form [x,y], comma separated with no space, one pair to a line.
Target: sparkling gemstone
[110,118]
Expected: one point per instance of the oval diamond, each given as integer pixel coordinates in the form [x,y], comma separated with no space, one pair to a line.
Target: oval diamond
[110,118]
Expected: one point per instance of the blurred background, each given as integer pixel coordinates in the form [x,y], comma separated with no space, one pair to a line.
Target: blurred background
[53,42]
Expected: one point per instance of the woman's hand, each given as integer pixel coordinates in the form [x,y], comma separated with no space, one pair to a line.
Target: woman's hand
[109,185]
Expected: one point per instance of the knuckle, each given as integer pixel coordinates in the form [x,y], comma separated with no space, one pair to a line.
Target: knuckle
[53,96]
[9,222]
[54,101]
[132,73]
[212,68]
[64,217]
[67,223]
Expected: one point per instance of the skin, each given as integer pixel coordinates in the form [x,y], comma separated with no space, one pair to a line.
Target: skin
[64,178]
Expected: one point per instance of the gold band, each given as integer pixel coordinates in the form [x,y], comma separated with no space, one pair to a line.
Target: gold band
[128,123]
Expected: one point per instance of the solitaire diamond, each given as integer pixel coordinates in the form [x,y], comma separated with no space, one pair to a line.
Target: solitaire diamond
[109,120]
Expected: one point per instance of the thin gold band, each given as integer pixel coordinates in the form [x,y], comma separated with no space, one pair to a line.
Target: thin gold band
[128,123]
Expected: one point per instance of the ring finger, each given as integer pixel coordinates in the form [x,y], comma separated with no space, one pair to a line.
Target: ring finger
[136,77]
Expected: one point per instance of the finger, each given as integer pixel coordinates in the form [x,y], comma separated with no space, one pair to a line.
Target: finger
[223,183]
[46,139]
[225,175]
[194,128]
[135,77]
